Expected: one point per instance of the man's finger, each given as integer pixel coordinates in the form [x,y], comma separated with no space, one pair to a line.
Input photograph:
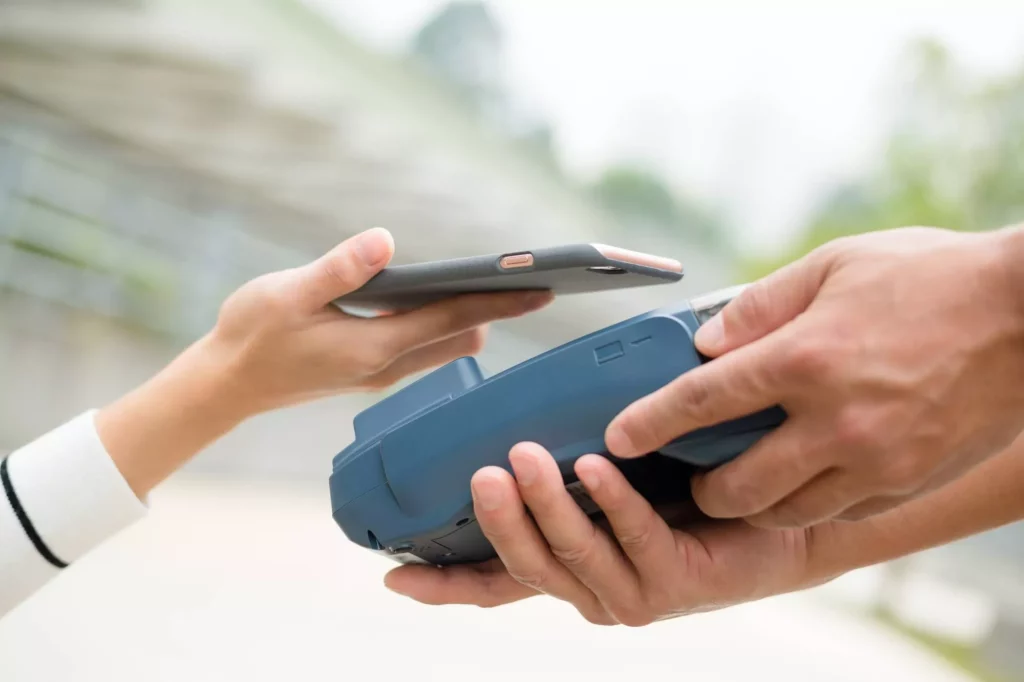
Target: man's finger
[486,585]
[764,306]
[342,270]
[733,386]
[403,332]
[519,544]
[641,533]
[873,506]
[823,498]
[775,467]
[574,539]
[879,504]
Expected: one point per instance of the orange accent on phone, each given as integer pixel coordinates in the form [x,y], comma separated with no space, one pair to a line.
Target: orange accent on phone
[519,260]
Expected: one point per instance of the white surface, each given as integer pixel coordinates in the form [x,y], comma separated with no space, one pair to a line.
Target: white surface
[944,610]
[242,582]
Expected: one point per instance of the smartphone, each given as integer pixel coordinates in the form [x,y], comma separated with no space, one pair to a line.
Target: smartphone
[572,269]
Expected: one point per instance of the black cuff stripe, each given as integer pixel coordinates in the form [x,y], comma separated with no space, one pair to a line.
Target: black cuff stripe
[26,523]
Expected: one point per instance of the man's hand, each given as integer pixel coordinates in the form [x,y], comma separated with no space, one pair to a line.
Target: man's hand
[639,572]
[898,356]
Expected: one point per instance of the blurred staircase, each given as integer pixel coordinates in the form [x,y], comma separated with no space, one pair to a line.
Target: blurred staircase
[156,153]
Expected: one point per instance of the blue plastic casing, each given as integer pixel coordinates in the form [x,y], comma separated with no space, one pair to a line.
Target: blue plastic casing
[403,488]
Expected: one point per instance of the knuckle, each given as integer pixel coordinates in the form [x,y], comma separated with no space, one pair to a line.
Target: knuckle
[788,514]
[856,430]
[572,558]
[637,537]
[597,617]
[809,360]
[634,617]
[339,272]
[750,310]
[534,580]
[575,557]
[736,491]
[372,358]
[268,296]
[691,397]
[635,540]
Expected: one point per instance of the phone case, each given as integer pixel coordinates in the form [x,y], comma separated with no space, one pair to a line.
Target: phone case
[573,269]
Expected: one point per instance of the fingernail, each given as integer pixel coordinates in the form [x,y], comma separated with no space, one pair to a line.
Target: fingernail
[373,246]
[525,468]
[486,495]
[711,335]
[618,442]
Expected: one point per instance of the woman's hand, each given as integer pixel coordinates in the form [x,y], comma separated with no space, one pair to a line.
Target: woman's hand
[279,342]
[284,343]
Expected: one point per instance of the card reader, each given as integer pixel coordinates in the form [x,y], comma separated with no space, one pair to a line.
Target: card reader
[403,487]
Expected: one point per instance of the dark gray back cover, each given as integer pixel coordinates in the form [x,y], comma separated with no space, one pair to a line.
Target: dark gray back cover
[573,269]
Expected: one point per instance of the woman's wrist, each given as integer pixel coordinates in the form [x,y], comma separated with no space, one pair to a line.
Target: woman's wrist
[837,548]
[989,496]
[153,430]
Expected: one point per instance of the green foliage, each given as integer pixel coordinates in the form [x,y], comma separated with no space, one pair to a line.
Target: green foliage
[954,158]
[639,199]
[965,658]
[636,193]
[461,44]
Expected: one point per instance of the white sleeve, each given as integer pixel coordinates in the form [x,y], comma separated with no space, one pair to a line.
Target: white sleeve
[62,496]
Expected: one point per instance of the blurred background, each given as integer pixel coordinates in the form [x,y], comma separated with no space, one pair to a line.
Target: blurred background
[155,154]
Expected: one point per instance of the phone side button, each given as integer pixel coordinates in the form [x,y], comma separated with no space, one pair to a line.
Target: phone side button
[516,261]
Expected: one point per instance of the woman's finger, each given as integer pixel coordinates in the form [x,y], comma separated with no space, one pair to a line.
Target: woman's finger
[466,344]
[406,331]
[342,270]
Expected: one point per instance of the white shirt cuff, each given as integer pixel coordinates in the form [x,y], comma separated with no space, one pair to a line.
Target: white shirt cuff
[71,491]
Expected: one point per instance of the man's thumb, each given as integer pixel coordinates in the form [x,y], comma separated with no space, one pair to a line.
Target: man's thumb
[763,307]
[345,268]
